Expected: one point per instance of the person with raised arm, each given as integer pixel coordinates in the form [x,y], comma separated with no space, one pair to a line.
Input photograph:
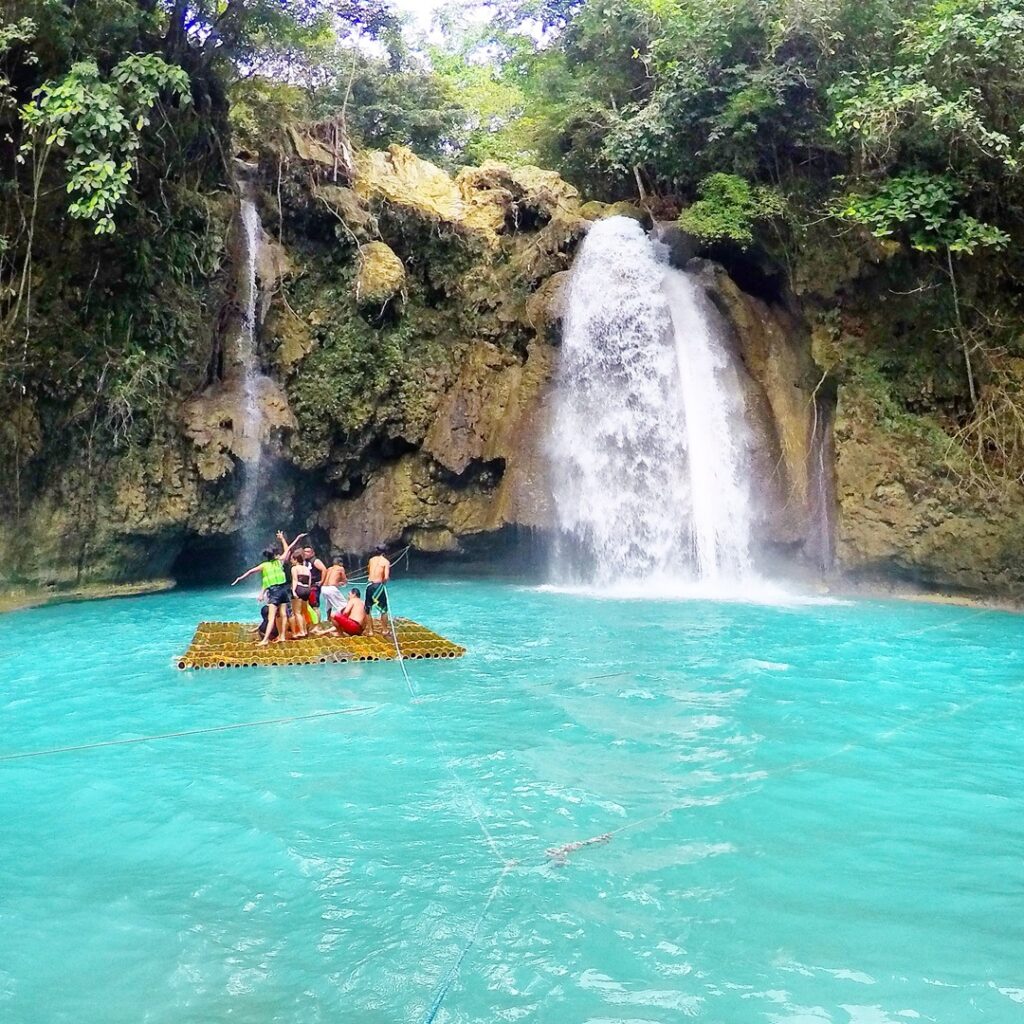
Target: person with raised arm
[275,583]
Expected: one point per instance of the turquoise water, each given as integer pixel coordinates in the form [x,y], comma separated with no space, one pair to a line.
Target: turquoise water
[817,816]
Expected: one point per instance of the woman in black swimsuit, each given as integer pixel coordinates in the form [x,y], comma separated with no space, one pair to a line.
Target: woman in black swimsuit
[300,593]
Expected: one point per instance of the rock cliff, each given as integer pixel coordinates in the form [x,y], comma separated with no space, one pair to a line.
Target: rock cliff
[408,326]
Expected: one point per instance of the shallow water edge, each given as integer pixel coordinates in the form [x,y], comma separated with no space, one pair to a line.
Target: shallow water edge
[35,597]
[841,589]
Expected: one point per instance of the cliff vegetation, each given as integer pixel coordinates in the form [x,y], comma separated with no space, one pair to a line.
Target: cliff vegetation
[855,168]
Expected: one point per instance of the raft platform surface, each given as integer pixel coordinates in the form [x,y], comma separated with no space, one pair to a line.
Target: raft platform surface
[236,645]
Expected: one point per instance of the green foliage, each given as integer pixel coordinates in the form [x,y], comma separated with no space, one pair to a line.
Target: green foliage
[261,107]
[924,207]
[491,122]
[343,379]
[952,86]
[98,123]
[728,209]
[409,105]
[12,34]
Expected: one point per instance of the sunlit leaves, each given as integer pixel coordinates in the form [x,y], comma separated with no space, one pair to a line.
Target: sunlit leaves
[728,209]
[95,121]
[924,208]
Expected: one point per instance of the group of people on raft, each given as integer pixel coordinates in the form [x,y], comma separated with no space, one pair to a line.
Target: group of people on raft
[293,581]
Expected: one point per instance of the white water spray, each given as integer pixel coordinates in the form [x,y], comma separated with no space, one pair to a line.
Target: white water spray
[245,354]
[649,447]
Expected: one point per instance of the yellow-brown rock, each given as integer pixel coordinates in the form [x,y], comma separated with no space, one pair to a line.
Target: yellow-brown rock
[546,307]
[381,275]
[347,207]
[593,210]
[216,421]
[624,208]
[309,149]
[480,201]
[908,509]
[399,177]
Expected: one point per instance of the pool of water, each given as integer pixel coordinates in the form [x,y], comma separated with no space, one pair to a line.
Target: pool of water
[815,815]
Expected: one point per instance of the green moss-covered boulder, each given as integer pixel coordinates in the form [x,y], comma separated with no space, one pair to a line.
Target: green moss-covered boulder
[626,209]
[595,210]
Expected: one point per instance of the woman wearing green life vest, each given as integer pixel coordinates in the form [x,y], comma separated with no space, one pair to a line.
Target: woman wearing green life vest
[275,583]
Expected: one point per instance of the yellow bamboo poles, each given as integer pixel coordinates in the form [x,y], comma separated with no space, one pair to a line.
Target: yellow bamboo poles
[234,645]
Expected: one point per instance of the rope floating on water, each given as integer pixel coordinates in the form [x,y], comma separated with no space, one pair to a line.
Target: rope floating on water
[183,733]
[560,854]
[453,972]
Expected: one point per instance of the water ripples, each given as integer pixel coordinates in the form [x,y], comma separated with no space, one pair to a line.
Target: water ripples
[814,814]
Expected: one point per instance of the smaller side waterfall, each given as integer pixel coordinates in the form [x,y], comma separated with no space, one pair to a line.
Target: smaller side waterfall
[821,542]
[245,355]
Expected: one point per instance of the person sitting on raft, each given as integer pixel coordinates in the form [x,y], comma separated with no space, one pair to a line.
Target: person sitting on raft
[353,618]
[301,585]
[275,583]
[379,572]
[261,629]
[334,579]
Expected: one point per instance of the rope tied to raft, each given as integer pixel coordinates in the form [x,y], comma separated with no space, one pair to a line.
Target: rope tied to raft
[507,864]
[398,647]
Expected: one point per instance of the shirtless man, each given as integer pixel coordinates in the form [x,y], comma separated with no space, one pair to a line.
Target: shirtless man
[334,579]
[379,571]
[353,619]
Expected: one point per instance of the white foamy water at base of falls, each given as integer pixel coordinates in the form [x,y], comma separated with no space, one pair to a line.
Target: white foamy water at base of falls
[649,445]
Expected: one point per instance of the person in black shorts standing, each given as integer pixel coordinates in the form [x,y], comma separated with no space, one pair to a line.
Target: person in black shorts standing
[379,573]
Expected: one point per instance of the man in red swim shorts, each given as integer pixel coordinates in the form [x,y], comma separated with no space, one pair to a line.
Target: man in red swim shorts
[352,618]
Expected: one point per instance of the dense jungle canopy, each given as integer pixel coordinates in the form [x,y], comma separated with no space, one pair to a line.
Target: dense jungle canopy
[768,127]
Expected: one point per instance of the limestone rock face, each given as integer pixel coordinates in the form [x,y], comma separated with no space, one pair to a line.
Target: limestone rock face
[788,420]
[214,422]
[480,467]
[381,275]
[903,515]
[399,177]
[595,210]
[427,422]
[546,307]
[350,210]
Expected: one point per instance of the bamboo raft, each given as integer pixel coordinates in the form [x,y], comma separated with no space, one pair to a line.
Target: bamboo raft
[235,645]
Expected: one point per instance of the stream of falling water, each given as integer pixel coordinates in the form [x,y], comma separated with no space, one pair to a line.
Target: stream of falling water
[246,355]
[649,443]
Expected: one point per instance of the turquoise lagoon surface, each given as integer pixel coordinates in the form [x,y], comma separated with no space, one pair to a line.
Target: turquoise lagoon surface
[816,814]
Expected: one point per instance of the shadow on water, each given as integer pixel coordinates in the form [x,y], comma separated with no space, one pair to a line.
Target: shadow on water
[514,554]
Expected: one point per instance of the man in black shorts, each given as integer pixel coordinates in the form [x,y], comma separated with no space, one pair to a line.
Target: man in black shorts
[379,573]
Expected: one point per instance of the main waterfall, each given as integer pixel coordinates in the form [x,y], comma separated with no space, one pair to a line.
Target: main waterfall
[649,441]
